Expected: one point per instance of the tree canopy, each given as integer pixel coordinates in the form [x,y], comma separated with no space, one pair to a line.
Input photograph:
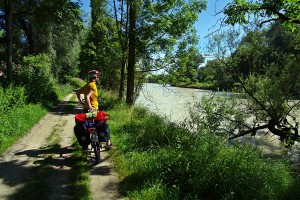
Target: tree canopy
[284,11]
[38,27]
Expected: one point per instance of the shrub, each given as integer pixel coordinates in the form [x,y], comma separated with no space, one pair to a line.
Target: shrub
[35,75]
[11,97]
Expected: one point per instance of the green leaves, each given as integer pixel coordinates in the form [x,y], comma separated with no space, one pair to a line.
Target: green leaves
[12,97]
[241,11]
[165,23]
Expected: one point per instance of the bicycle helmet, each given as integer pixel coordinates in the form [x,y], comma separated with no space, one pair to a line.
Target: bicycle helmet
[94,73]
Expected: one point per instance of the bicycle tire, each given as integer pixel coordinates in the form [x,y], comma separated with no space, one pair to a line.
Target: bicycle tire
[97,153]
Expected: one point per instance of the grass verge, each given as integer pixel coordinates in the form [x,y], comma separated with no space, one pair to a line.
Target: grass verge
[80,174]
[17,122]
[157,159]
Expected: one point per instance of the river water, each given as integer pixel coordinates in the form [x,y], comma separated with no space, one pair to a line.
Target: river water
[173,103]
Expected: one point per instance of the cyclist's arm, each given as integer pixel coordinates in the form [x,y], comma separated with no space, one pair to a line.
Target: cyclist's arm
[78,94]
[87,98]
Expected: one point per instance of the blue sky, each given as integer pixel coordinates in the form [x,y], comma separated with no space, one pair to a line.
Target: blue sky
[206,20]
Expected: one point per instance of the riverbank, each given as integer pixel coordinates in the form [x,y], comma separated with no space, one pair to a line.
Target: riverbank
[196,85]
[158,159]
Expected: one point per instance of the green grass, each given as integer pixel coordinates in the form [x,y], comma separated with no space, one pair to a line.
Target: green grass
[17,122]
[80,174]
[157,159]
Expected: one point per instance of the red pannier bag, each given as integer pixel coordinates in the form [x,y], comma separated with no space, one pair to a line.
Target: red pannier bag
[82,120]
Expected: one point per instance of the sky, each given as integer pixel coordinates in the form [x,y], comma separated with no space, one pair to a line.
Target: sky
[206,19]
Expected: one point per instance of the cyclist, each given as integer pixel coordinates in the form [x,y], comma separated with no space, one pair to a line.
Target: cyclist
[90,93]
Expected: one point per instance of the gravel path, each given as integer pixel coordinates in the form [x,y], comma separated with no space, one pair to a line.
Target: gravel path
[17,163]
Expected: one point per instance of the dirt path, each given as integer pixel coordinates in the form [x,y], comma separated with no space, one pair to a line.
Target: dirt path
[17,162]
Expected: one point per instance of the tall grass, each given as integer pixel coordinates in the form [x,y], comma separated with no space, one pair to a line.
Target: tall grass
[18,121]
[157,159]
[17,115]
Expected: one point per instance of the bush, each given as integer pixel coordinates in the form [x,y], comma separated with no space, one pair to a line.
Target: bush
[11,97]
[35,75]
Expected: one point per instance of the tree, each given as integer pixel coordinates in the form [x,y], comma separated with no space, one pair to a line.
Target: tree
[37,26]
[158,29]
[101,49]
[147,31]
[265,67]
[282,64]
[131,54]
[185,69]
[284,11]
[121,19]
[8,18]
[213,73]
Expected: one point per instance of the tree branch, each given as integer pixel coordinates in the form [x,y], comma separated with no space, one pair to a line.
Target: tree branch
[253,130]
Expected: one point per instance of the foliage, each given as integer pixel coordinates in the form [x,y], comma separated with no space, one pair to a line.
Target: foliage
[12,97]
[52,27]
[215,112]
[214,73]
[65,50]
[35,76]
[171,163]
[100,50]
[153,30]
[163,26]
[264,68]
[15,108]
[184,70]
[286,11]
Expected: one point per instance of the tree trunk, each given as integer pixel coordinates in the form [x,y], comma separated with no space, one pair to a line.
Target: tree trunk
[121,91]
[8,16]
[27,28]
[131,59]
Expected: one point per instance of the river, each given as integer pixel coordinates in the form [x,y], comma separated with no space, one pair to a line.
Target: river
[173,103]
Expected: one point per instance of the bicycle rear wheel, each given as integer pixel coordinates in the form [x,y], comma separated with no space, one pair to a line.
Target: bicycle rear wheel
[97,153]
